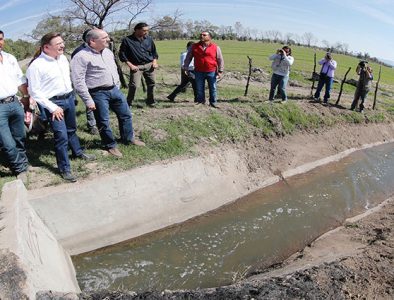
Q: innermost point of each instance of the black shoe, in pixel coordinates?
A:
(171, 98)
(87, 157)
(213, 105)
(151, 104)
(68, 177)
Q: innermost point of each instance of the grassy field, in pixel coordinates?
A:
(175, 129)
(235, 55)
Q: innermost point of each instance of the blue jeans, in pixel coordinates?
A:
(200, 86)
(282, 82)
(114, 99)
(64, 132)
(13, 136)
(324, 80)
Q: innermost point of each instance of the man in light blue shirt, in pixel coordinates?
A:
(186, 77)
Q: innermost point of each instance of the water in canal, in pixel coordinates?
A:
(257, 230)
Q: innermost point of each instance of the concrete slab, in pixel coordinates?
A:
(32, 259)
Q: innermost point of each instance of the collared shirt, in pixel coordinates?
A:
(91, 69)
(328, 67)
(182, 61)
(48, 77)
(138, 51)
(281, 64)
(11, 76)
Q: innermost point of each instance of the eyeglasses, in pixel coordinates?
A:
(203, 34)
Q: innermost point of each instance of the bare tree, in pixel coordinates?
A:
(289, 38)
(326, 44)
(309, 38)
(238, 29)
(167, 22)
(274, 35)
(96, 13)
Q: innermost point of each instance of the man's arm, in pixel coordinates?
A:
(78, 78)
(188, 59)
(34, 88)
(220, 60)
(124, 53)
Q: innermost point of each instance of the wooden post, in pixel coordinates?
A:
(313, 75)
(250, 73)
(376, 88)
(342, 83)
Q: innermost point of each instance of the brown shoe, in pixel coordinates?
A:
(115, 152)
(138, 143)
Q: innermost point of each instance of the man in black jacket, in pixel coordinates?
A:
(138, 51)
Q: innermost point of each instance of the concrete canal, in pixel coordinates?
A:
(256, 231)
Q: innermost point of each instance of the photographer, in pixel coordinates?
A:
(363, 85)
(281, 62)
(326, 77)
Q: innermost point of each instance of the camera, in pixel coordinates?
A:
(362, 63)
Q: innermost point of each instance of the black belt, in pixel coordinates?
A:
(62, 97)
(101, 88)
(8, 99)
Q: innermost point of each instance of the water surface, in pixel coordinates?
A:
(257, 230)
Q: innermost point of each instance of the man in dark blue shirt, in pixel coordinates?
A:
(138, 51)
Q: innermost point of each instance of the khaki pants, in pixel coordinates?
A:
(135, 78)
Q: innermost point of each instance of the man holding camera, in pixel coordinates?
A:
(281, 62)
(363, 85)
(326, 77)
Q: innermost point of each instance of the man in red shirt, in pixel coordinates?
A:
(208, 65)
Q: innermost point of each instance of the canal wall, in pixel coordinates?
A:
(31, 259)
(118, 207)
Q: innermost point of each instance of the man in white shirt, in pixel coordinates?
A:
(49, 84)
(12, 128)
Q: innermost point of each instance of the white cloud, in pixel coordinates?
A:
(9, 4)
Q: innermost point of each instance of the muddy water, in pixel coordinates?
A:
(258, 230)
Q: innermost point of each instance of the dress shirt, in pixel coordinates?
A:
(91, 69)
(48, 77)
(328, 67)
(182, 60)
(138, 51)
(11, 76)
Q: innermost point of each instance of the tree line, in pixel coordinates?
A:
(121, 15)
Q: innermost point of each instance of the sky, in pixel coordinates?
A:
(365, 25)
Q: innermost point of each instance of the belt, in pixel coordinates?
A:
(8, 99)
(101, 88)
(62, 97)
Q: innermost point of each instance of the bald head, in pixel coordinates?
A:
(97, 39)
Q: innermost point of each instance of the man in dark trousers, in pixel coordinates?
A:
(326, 77)
(186, 77)
(138, 51)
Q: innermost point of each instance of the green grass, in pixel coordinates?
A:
(235, 56)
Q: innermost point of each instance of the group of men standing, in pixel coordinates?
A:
(94, 77)
(53, 82)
